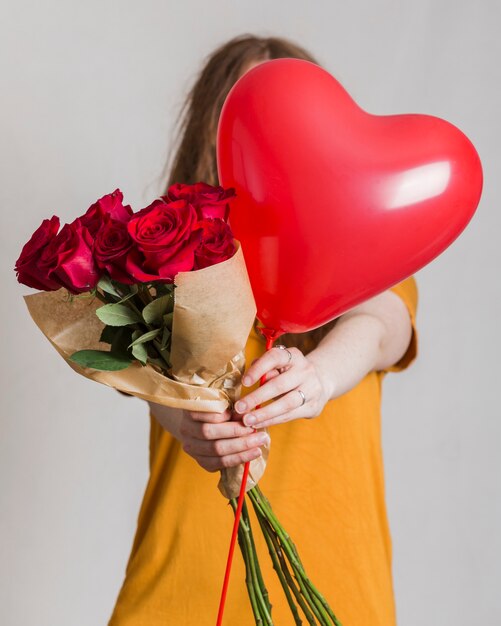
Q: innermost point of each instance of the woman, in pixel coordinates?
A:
(324, 476)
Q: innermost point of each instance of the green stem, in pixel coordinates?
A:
(319, 611)
(259, 575)
(253, 590)
(324, 602)
(285, 539)
(317, 602)
(249, 581)
(254, 570)
(271, 533)
(278, 569)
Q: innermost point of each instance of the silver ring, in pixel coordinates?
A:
(303, 398)
(280, 346)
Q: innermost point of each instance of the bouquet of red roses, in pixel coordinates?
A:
(158, 304)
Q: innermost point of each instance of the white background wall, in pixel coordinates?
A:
(89, 94)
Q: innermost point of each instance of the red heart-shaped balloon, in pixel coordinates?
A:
(335, 205)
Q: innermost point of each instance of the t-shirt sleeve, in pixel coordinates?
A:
(408, 292)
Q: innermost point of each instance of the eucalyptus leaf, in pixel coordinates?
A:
(167, 319)
(100, 360)
(153, 312)
(166, 355)
(117, 315)
(105, 283)
(146, 337)
(170, 305)
(140, 353)
(165, 338)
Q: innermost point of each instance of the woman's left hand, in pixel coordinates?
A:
(292, 380)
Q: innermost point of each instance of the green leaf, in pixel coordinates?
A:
(105, 283)
(166, 356)
(165, 338)
(117, 315)
(153, 312)
(108, 334)
(146, 337)
(140, 352)
(167, 319)
(100, 360)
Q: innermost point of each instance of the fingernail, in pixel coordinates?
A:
(263, 438)
(249, 420)
(240, 407)
(246, 381)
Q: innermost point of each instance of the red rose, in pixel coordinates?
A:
(209, 202)
(111, 205)
(27, 266)
(111, 246)
(216, 245)
(165, 236)
(68, 259)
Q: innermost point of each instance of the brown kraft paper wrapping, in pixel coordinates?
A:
(213, 314)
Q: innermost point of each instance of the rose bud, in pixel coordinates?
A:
(209, 201)
(27, 266)
(68, 259)
(216, 245)
(110, 204)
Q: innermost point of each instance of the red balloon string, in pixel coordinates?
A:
(238, 512)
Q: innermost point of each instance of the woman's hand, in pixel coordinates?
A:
(293, 379)
(368, 338)
(216, 441)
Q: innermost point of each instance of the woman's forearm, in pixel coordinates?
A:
(372, 336)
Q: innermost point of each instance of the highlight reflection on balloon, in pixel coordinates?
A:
(418, 184)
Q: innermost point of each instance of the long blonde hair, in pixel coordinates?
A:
(194, 153)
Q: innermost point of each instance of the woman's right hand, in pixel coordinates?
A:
(217, 441)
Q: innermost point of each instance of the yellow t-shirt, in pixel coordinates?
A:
(325, 482)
